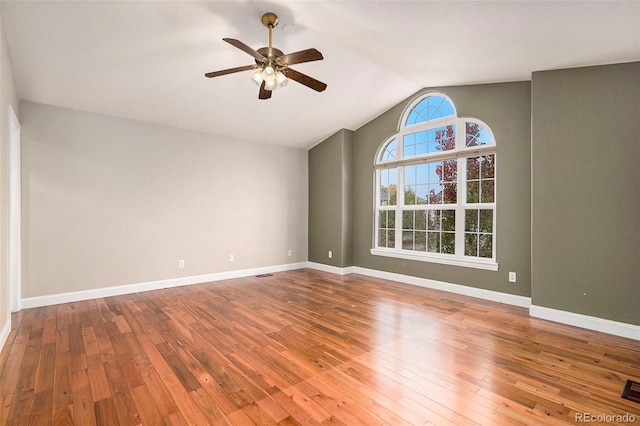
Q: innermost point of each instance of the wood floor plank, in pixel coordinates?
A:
(12, 363)
(145, 406)
(97, 378)
(159, 393)
(306, 348)
(207, 406)
(42, 408)
(126, 411)
(83, 407)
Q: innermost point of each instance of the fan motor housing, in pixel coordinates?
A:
(275, 53)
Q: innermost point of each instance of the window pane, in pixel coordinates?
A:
(420, 220)
(473, 191)
(441, 177)
(425, 183)
(421, 241)
(481, 179)
(442, 138)
(471, 220)
(408, 219)
(485, 245)
(448, 220)
(476, 135)
(478, 238)
(447, 171)
(448, 242)
(433, 242)
(382, 219)
(473, 168)
(433, 220)
(407, 240)
(435, 194)
(386, 226)
(383, 238)
(409, 195)
(387, 219)
(488, 166)
(413, 234)
(450, 193)
(441, 237)
(392, 219)
(430, 108)
(409, 143)
(388, 187)
(487, 191)
(471, 245)
(429, 141)
(389, 152)
(486, 221)
(422, 194)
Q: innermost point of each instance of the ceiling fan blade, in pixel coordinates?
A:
(229, 71)
(264, 93)
(240, 45)
(310, 82)
(308, 55)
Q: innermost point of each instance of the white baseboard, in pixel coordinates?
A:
(75, 296)
(4, 333)
(495, 296)
(332, 269)
(569, 318)
(584, 321)
(621, 329)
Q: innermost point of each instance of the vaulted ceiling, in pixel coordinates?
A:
(145, 60)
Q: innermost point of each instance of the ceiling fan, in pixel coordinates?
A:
(272, 67)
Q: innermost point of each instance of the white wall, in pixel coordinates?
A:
(8, 97)
(109, 202)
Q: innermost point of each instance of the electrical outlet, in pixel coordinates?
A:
(330, 254)
(181, 263)
(512, 277)
(289, 253)
(230, 258)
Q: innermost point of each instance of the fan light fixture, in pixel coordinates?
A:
(272, 67)
(272, 77)
(269, 72)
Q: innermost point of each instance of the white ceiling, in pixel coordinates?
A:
(145, 60)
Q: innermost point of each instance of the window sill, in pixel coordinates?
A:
(488, 265)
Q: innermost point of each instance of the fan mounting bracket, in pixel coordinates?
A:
(270, 20)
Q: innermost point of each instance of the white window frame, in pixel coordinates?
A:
(460, 153)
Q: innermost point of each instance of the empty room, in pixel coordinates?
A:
(319, 212)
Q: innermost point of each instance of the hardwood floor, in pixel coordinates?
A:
(307, 347)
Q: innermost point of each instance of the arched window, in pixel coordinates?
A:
(436, 195)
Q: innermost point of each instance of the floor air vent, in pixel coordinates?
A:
(632, 391)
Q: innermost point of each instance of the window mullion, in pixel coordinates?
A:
(376, 223)
(461, 202)
(399, 206)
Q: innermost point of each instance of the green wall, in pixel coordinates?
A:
(506, 110)
(568, 190)
(586, 191)
(330, 212)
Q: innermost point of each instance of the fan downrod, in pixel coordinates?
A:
(270, 20)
